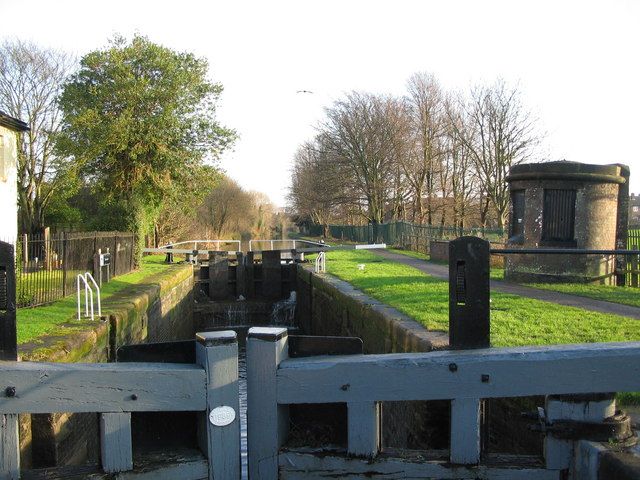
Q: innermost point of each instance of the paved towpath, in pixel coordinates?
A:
(442, 271)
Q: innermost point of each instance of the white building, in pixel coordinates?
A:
(9, 127)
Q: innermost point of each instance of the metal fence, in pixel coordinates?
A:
(47, 264)
(413, 236)
(633, 262)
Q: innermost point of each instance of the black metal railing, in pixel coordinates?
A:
(46, 265)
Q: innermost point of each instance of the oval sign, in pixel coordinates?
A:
(222, 416)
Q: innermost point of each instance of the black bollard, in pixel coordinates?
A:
(469, 293)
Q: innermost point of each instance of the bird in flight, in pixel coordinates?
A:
(304, 91)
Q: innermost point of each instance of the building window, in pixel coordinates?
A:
(635, 209)
(559, 215)
(517, 213)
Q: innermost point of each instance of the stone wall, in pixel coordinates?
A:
(439, 250)
(595, 228)
(598, 222)
(155, 312)
(329, 306)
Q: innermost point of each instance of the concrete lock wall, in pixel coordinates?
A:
(154, 313)
(601, 193)
(328, 306)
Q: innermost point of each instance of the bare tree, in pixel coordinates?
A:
(498, 133)
(429, 157)
(225, 209)
(178, 218)
(260, 221)
(363, 132)
(31, 78)
(317, 184)
(422, 165)
(458, 161)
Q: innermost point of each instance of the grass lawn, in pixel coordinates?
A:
(624, 295)
(34, 322)
(515, 321)
(496, 273)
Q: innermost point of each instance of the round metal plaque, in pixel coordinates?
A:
(222, 416)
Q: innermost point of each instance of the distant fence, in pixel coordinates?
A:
(47, 264)
(409, 235)
(633, 263)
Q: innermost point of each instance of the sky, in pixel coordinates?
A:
(577, 63)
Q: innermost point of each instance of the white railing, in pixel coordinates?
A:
(87, 280)
(275, 242)
(115, 390)
(464, 377)
(321, 263)
(199, 248)
(205, 242)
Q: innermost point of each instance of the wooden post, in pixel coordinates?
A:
(241, 277)
(468, 293)
(469, 328)
(8, 338)
(465, 431)
(558, 452)
(25, 252)
(115, 442)
(219, 427)
(64, 263)
(97, 270)
(47, 248)
(364, 429)
(132, 251)
(271, 274)
(95, 249)
(250, 275)
(634, 268)
(218, 276)
(9, 447)
(114, 260)
(267, 421)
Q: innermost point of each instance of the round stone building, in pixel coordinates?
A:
(566, 205)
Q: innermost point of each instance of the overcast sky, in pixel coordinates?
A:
(577, 63)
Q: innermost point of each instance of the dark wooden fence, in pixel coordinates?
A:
(253, 276)
(47, 264)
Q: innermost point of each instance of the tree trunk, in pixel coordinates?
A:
(484, 211)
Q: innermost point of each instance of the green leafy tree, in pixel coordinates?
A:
(138, 119)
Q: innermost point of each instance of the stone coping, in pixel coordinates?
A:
(88, 341)
(613, 173)
(404, 330)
